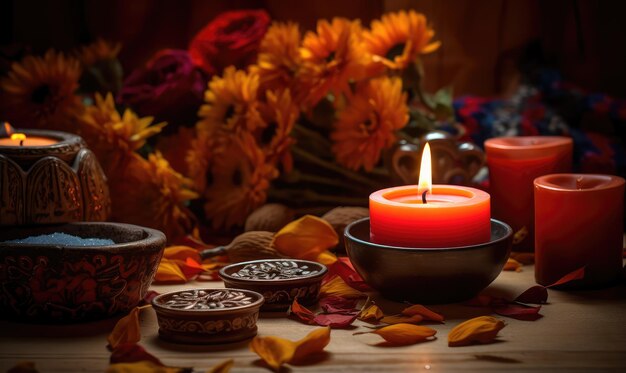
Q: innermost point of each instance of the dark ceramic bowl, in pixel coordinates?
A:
(55, 283)
(426, 275)
(207, 316)
(279, 280)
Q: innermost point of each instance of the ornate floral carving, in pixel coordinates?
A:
(210, 326)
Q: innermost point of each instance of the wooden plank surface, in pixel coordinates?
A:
(579, 331)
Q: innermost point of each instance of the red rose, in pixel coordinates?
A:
(232, 38)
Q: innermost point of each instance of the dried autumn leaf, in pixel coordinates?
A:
(223, 367)
(275, 351)
(512, 265)
(373, 313)
(143, 367)
(402, 319)
(577, 274)
(169, 272)
(130, 353)
(126, 330)
(404, 334)
(536, 294)
(427, 314)
(305, 238)
(519, 312)
(313, 343)
(336, 286)
(482, 329)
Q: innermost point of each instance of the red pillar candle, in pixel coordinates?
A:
(578, 223)
(452, 216)
(429, 216)
(514, 162)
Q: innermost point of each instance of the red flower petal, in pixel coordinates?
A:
(335, 320)
(578, 274)
(537, 294)
(519, 312)
(337, 304)
(344, 269)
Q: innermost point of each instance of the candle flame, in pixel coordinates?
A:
(18, 136)
(425, 183)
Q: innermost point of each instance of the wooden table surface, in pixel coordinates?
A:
(579, 331)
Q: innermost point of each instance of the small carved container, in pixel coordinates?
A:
(56, 183)
(279, 280)
(207, 316)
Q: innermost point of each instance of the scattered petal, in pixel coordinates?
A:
(169, 272)
(336, 286)
(373, 313)
(327, 258)
(313, 343)
(344, 269)
(337, 304)
(131, 353)
(427, 314)
(482, 329)
(404, 334)
(275, 351)
(536, 294)
(305, 238)
(223, 367)
(126, 330)
(578, 274)
(191, 268)
(335, 320)
(301, 312)
(181, 253)
(402, 319)
(512, 265)
(518, 311)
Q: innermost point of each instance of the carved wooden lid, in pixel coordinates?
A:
(207, 299)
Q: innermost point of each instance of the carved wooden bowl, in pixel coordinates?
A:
(61, 283)
(279, 280)
(207, 316)
(56, 183)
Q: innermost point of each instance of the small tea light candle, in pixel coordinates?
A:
(9, 137)
(514, 162)
(429, 216)
(578, 223)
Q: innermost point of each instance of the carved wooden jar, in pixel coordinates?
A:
(56, 183)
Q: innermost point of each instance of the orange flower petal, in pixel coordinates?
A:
(305, 238)
(327, 258)
(191, 268)
(404, 334)
(313, 343)
(223, 367)
(275, 351)
(402, 319)
(170, 272)
(126, 330)
(482, 329)
(371, 313)
(418, 309)
(512, 265)
(337, 286)
(181, 253)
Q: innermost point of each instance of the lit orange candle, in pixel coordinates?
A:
(20, 139)
(429, 216)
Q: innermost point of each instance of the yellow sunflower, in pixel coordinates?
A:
(39, 92)
(149, 192)
(279, 58)
(230, 103)
(100, 50)
(332, 56)
(368, 124)
(112, 136)
(279, 114)
(399, 38)
(236, 182)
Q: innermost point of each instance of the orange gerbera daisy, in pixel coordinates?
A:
(331, 57)
(231, 103)
(149, 192)
(279, 114)
(112, 136)
(368, 124)
(237, 183)
(100, 50)
(39, 92)
(279, 57)
(399, 38)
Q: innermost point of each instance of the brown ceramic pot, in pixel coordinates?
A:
(279, 280)
(59, 283)
(207, 316)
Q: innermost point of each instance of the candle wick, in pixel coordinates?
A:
(424, 197)
(21, 142)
